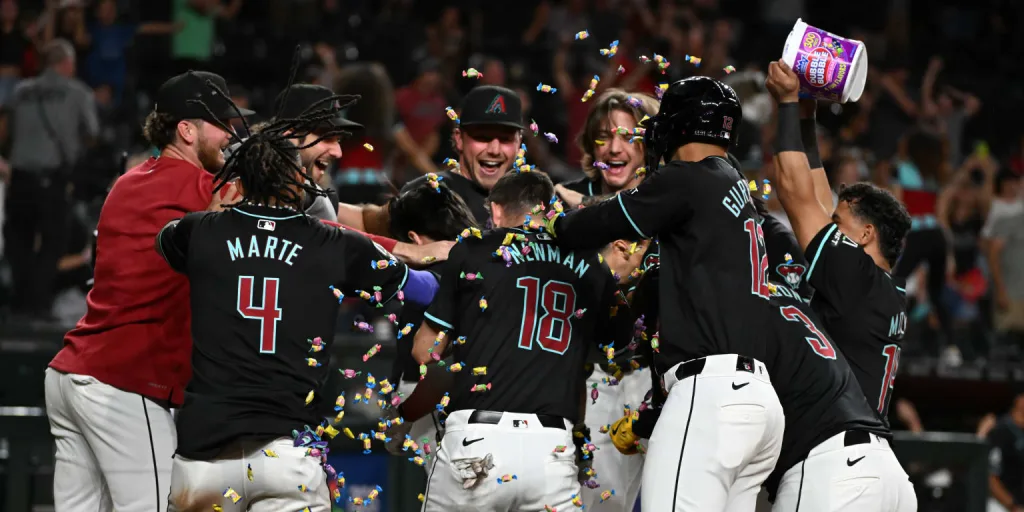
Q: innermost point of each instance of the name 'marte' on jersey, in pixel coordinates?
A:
(813, 380)
(521, 306)
(863, 307)
(260, 294)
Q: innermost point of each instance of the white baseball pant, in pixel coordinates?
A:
(615, 471)
(114, 448)
(519, 446)
(717, 439)
(423, 428)
(836, 477)
(290, 481)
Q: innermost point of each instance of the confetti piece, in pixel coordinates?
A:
(479, 370)
(599, 142)
(551, 137)
(729, 69)
(316, 344)
(349, 373)
(479, 388)
(594, 81)
(456, 367)
(303, 488)
(312, 363)
(640, 172)
(549, 508)
(429, 259)
(230, 493)
(362, 326)
(788, 258)
(449, 162)
(368, 146)
(560, 449)
(483, 304)
(337, 294)
(611, 50)
(471, 276)
(577, 500)
(421, 497)
(248, 472)
(218, 508)
(372, 352)
(601, 165)
(507, 478)
(461, 340)
(533, 127)
(405, 330)
(546, 88)
(445, 400)
(348, 432)
(472, 73)
(620, 71)
(581, 35)
(423, 371)
(450, 112)
(309, 397)
(607, 494)
(634, 102)
(270, 453)
(654, 343)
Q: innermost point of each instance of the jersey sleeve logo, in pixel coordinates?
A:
(793, 273)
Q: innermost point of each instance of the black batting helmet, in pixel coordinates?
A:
(695, 109)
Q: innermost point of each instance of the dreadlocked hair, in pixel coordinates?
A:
(267, 163)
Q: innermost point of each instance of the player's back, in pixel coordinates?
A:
(542, 310)
(714, 265)
(260, 293)
(818, 392)
(863, 307)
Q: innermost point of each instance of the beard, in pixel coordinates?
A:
(210, 156)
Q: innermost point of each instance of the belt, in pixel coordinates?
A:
(696, 366)
(855, 437)
(494, 417)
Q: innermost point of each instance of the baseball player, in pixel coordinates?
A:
(720, 429)
(613, 157)
(851, 251)
(110, 389)
(422, 215)
(487, 134)
(518, 312)
(261, 277)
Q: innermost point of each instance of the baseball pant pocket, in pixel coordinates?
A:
(856, 494)
(741, 427)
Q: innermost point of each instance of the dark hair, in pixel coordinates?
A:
(1002, 177)
(878, 207)
(267, 163)
(438, 213)
(521, 192)
(160, 129)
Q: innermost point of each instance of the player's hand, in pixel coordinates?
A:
(227, 195)
(571, 198)
(643, 426)
(782, 82)
(622, 435)
(808, 108)
(419, 256)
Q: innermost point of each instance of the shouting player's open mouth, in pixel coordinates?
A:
(490, 167)
(617, 168)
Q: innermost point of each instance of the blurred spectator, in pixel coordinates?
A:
(108, 42)
(54, 118)
(1006, 263)
(66, 20)
(1006, 457)
(420, 107)
(947, 110)
(1007, 202)
(15, 48)
(360, 174)
(193, 43)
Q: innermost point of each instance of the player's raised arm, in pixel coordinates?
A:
(793, 179)
(809, 138)
(172, 241)
(640, 212)
(374, 271)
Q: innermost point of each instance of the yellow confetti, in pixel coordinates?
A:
(349, 433)
(309, 397)
(248, 472)
(368, 146)
(218, 508)
(230, 493)
(270, 453)
(330, 431)
(421, 497)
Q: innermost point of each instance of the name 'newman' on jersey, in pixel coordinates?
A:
(533, 251)
(288, 251)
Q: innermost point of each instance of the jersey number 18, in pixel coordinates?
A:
(552, 331)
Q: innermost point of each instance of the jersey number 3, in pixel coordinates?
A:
(819, 343)
(267, 312)
(758, 259)
(552, 331)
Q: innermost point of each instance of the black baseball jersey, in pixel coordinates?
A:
(405, 366)
(585, 186)
(780, 242)
(863, 307)
(470, 191)
(532, 334)
(714, 288)
(1006, 456)
(260, 282)
(818, 392)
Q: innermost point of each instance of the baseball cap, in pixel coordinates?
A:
(302, 96)
(491, 105)
(180, 96)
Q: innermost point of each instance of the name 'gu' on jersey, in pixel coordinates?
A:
(714, 290)
(863, 307)
(260, 293)
(522, 329)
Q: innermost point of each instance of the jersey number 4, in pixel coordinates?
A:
(267, 312)
(819, 343)
(552, 331)
(758, 259)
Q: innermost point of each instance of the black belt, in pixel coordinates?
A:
(855, 437)
(494, 417)
(696, 366)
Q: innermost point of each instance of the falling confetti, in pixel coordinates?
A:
(372, 352)
(533, 127)
(546, 88)
(472, 73)
(309, 397)
(620, 71)
(230, 493)
(581, 35)
(551, 137)
(368, 146)
(729, 69)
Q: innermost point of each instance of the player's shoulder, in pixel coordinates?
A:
(583, 185)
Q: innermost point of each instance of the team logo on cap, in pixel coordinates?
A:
(497, 105)
(793, 273)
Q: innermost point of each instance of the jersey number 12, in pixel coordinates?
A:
(758, 259)
(267, 312)
(552, 331)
